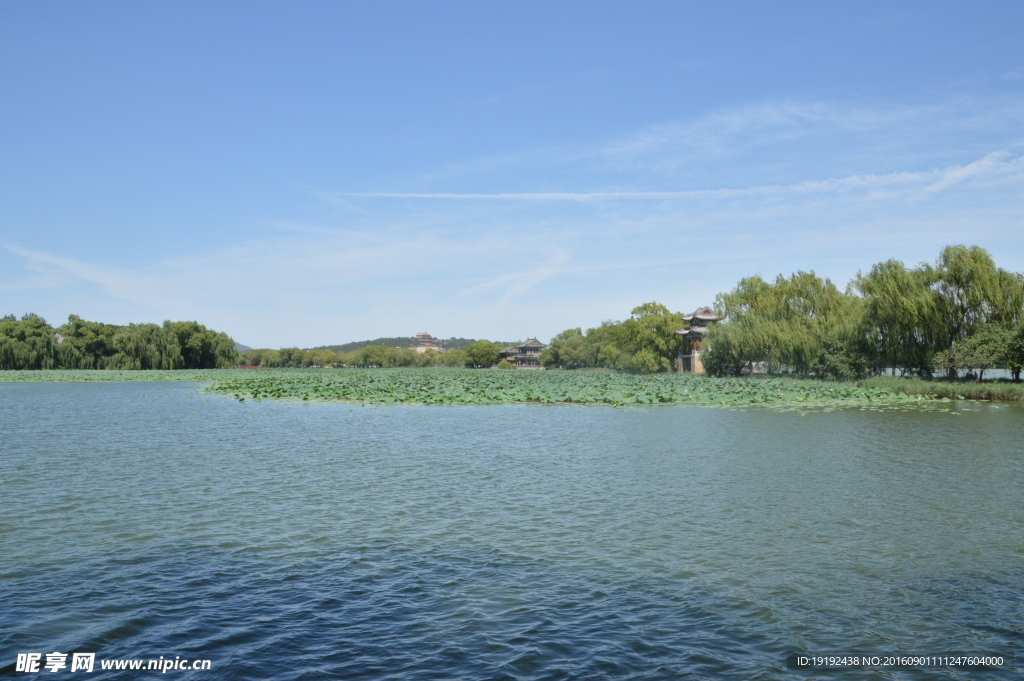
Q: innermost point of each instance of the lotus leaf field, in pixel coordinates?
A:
(438, 386)
(467, 386)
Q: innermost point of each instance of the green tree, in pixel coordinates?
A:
(569, 350)
(727, 351)
(380, 356)
(203, 348)
(253, 357)
(902, 320)
(31, 343)
(482, 353)
(784, 325)
(454, 358)
(839, 360)
(989, 346)
(145, 346)
(290, 357)
(269, 358)
(1015, 352)
(651, 338)
(974, 291)
(28, 343)
(609, 346)
(92, 341)
(428, 358)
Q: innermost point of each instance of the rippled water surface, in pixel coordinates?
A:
(294, 541)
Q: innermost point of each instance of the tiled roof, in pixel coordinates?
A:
(704, 314)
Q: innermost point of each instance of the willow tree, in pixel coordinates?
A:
(902, 320)
(802, 323)
(93, 342)
(28, 343)
(973, 291)
(145, 346)
(203, 348)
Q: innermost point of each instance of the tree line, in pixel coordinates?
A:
(647, 342)
(31, 343)
(962, 313)
(480, 353)
(401, 342)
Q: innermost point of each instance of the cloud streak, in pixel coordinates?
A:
(994, 165)
(674, 213)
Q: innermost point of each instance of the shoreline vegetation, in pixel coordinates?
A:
(30, 343)
(937, 388)
(442, 386)
(460, 352)
(960, 315)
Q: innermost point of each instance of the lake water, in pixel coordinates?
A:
(293, 541)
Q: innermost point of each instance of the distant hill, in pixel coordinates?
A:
(242, 348)
(455, 343)
(399, 342)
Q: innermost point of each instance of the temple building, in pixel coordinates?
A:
(525, 355)
(424, 342)
(689, 356)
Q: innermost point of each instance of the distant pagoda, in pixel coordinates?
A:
(424, 342)
(693, 337)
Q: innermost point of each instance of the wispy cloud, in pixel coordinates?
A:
(996, 165)
(114, 281)
(736, 132)
(536, 241)
(993, 165)
(757, 145)
(515, 284)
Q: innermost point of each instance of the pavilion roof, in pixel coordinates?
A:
(703, 314)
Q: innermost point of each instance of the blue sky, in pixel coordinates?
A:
(311, 173)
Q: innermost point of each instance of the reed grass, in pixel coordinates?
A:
(1002, 391)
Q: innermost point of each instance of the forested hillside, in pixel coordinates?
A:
(481, 353)
(397, 342)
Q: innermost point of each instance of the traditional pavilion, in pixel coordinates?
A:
(525, 355)
(693, 337)
(424, 342)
